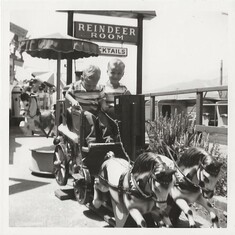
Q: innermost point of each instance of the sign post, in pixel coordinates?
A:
(139, 56)
(116, 32)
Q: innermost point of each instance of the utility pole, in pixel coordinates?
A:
(221, 73)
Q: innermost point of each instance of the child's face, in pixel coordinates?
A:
(115, 73)
(35, 86)
(90, 82)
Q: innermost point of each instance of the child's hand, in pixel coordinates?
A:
(74, 103)
(104, 106)
(77, 105)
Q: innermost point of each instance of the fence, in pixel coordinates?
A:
(218, 134)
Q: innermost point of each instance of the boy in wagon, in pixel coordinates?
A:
(87, 95)
(113, 87)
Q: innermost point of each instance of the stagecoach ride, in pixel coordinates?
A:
(147, 179)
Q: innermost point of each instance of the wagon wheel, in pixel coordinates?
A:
(82, 186)
(60, 166)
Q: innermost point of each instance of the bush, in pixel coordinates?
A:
(171, 136)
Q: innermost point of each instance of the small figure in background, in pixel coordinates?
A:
(41, 96)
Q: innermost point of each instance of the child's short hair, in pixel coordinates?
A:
(116, 62)
(91, 70)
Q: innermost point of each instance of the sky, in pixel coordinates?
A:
(183, 43)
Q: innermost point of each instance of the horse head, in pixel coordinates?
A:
(153, 177)
(24, 104)
(208, 175)
(206, 169)
(28, 105)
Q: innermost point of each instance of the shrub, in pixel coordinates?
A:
(171, 136)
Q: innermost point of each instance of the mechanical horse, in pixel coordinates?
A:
(138, 188)
(196, 178)
(34, 117)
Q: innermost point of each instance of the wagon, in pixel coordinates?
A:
(73, 158)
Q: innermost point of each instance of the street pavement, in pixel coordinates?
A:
(32, 200)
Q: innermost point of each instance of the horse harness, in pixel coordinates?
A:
(186, 183)
(201, 183)
(133, 188)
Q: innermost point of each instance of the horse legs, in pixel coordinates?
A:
(161, 215)
(186, 209)
(50, 130)
(166, 219)
(206, 204)
(139, 219)
(98, 189)
(26, 127)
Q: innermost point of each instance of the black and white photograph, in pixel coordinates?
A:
(117, 114)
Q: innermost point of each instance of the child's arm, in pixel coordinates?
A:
(104, 106)
(73, 102)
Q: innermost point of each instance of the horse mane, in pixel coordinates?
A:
(195, 156)
(24, 96)
(153, 164)
(146, 161)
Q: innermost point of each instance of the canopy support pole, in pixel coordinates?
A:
(58, 90)
(69, 61)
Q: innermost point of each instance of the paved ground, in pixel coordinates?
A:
(32, 200)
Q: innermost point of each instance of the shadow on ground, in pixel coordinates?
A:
(24, 185)
(185, 224)
(92, 215)
(12, 148)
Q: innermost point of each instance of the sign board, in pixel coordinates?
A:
(113, 51)
(106, 32)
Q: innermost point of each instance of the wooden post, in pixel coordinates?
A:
(139, 55)
(69, 61)
(152, 108)
(199, 106)
(133, 130)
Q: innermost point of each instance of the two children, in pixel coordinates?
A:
(95, 100)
